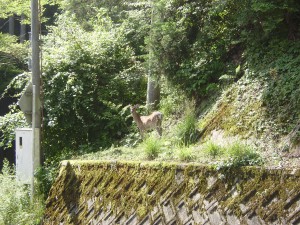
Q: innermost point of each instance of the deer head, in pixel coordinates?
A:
(144, 123)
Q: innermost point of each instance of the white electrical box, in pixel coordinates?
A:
(26, 160)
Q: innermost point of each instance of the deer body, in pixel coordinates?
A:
(144, 123)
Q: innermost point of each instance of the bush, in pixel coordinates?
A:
(16, 206)
(88, 78)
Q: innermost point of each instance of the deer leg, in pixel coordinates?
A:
(142, 134)
(159, 130)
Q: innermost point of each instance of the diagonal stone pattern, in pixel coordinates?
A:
(102, 192)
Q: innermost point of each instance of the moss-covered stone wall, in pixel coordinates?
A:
(102, 192)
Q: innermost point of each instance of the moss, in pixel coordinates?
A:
(140, 187)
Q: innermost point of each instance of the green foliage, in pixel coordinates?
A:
(194, 43)
(16, 86)
(186, 130)
(152, 147)
(8, 125)
(19, 7)
(15, 118)
(16, 206)
(172, 99)
(185, 154)
(9, 8)
(12, 64)
(281, 97)
(241, 155)
(12, 59)
(212, 149)
(88, 77)
(133, 16)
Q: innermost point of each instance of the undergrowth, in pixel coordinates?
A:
(16, 206)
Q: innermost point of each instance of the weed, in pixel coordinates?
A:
(16, 206)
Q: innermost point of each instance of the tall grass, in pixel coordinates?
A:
(186, 131)
(152, 147)
(16, 206)
(241, 154)
(212, 149)
(185, 154)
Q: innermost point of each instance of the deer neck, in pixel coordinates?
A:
(137, 118)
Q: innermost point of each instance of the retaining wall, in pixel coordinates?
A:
(101, 192)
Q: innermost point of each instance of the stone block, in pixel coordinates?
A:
(253, 219)
(168, 211)
(232, 219)
(215, 217)
(182, 212)
(146, 221)
(133, 220)
(199, 216)
(159, 221)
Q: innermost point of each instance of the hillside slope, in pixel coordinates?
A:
(260, 110)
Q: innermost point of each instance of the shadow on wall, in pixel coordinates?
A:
(72, 193)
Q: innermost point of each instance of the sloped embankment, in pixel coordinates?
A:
(244, 111)
(103, 192)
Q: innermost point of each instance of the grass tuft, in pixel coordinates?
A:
(186, 131)
(185, 154)
(152, 147)
(212, 149)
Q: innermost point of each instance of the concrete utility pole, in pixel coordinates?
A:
(36, 81)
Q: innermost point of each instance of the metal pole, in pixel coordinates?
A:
(36, 80)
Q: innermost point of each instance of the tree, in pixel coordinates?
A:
(153, 89)
(88, 78)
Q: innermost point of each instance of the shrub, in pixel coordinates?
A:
(88, 78)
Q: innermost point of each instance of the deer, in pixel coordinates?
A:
(144, 123)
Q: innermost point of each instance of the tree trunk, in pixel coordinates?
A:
(23, 29)
(153, 93)
(153, 90)
(11, 23)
